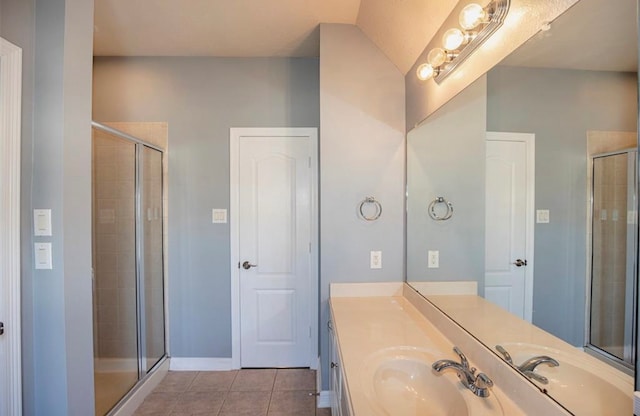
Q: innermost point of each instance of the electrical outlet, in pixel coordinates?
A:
(434, 259)
(376, 259)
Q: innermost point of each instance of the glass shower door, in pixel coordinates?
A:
(114, 236)
(613, 255)
(153, 281)
(128, 253)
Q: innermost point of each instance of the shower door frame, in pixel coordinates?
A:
(143, 372)
(621, 364)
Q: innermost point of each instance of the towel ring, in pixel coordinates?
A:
(432, 209)
(366, 201)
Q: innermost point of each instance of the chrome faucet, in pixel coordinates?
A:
(527, 368)
(478, 384)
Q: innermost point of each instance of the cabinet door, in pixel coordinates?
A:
(345, 404)
(334, 373)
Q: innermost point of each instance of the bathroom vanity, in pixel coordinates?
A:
(386, 337)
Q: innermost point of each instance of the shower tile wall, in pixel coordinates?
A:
(114, 225)
(156, 133)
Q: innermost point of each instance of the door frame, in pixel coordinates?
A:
(10, 134)
(235, 134)
(529, 139)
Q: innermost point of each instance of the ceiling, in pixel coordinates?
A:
(261, 28)
(588, 36)
(400, 28)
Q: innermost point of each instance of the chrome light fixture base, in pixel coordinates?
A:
(497, 11)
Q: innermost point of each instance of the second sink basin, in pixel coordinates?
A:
(582, 386)
(400, 382)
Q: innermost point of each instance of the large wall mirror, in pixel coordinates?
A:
(537, 161)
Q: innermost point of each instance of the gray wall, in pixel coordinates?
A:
(559, 106)
(361, 154)
(445, 157)
(201, 98)
(57, 353)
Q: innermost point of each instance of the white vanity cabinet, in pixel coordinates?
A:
(340, 404)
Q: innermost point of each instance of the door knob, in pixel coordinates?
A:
(1, 328)
(246, 265)
(520, 263)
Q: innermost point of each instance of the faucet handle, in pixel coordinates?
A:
(463, 358)
(505, 354)
(483, 381)
(482, 385)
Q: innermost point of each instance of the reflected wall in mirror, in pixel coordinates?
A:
(513, 153)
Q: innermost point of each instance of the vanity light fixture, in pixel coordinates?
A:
(478, 23)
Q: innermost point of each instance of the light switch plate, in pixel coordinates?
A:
(43, 256)
(542, 216)
(219, 216)
(42, 222)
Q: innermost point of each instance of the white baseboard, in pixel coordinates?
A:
(200, 364)
(324, 400)
(135, 399)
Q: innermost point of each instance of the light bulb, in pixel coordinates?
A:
(452, 39)
(424, 72)
(437, 57)
(471, 16)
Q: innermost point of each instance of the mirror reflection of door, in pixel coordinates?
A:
(613, 245)
(508, 221)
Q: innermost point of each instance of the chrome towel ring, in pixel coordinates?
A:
(447, 214)
(376, 214)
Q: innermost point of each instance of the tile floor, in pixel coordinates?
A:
(267, 392)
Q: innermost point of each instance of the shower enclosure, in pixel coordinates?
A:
(128, 275)
(613, 256)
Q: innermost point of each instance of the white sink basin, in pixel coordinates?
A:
(580, 383)
(401, 382)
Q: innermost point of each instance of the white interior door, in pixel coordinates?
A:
(509, 222)
(10, 346)
(275, 229)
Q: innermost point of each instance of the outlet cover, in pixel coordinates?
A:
(434, 259)
(376, 260)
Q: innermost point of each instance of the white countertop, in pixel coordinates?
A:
(366, 325)
(493, 326)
